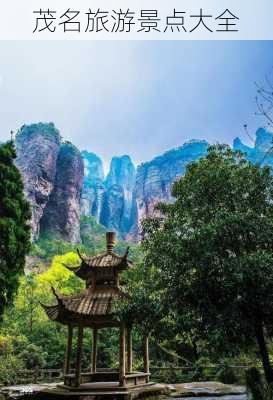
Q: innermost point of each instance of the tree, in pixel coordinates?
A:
(14, 225)
(143, 307)
(214, 248)
(264, 100)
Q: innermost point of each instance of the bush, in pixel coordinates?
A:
(33, 357)
(226, 374)
(10, 367)
(254, 384)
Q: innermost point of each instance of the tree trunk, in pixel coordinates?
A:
(268, 371)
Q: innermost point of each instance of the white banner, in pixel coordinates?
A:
(138, 20)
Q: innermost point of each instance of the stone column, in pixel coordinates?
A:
(122, 361)
(129, 351)
(79, 357)
(94, 351)
(68, 350)
(146, 356)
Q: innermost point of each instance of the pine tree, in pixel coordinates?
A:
(14, 225)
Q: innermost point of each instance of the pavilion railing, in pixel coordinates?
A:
(168, 374)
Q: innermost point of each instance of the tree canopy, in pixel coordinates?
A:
(14, 225)
(214, 249)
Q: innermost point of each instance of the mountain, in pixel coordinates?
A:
(37, 148)
(259, 152)
(53, 173)
(126, 196)
(61, 217)
(109, 200)
(65, 186)
(93, 185)
(118, 211)
(155, 178)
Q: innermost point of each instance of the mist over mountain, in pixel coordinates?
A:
(63, 184)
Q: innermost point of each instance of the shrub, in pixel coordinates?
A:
(33, 357)
(226, 374)
(10, 367)
(254, 383)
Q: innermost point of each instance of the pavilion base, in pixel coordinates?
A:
(105, 390)
(107, 376)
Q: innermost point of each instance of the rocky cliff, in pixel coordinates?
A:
(52, 173)
(260, 153)
(109, 200)
(37, 147)
(93, 186)
(127, 196)
(118, 211)
(154, 179)
(61, 218)
(62, 183)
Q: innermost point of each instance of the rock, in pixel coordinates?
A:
(37, 147)
(260, 153)
(238, 145)
(119, 209)
(154, 179)
(201, 389)
(35, 264)
(61, 218)
(24, 391)
(93, 186)
(53, 179)
(264, 139)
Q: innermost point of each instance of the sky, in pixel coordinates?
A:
(140, 98)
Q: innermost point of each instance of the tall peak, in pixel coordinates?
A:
(264, 139)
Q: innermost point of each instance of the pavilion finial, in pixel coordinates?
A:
(110, 241)
(12, 135)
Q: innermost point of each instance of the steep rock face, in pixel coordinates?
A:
(118, 210)
(154, 179)
(93, 185)
(260, 152)
(37, 147)
(61, 217)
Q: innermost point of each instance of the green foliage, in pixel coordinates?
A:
(214, 249)
(10, 367)
(33, 357)
(93, 242)
(14, 225)
(46, 248)
(143, 307)
(255, 384)
(226, 373)
(92, 235)
(26, 324)
(46, 129)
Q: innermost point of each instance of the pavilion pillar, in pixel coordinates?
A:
(146, 356)
(94, 351)
(79, 357)
(122, 361)
(68, 350)
(129, 350)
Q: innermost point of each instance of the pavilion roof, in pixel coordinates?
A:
(107, 259)
(91, 306)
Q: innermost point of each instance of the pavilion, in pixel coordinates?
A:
(94, 309)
